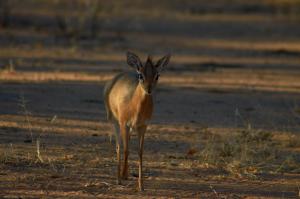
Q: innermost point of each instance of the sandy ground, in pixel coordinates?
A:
(227, 73)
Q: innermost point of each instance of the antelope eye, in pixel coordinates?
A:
(140, 77)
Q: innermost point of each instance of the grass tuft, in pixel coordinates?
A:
(247, 153)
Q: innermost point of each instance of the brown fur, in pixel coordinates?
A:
(129, 104)
(136, 111)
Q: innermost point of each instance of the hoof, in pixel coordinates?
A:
(118, 182)
(141, 189)
(125, 176)
(141, 186)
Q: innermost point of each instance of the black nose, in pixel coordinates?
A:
(149, 89)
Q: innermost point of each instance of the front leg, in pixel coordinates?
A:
(141, 132)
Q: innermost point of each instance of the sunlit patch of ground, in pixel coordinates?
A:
(77, 160)
(258, 80)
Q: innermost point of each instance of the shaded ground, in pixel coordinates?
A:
(231, 71)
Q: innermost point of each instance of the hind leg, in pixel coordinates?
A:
(118, 140)
(125, 138)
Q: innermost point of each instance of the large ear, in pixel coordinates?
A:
(134, 61)
(163, 62)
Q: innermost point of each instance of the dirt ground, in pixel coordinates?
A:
(233, 69)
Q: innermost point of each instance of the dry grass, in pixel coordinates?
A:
(249, 153)
(77, 166)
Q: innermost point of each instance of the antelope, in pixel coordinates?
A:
(129, 105)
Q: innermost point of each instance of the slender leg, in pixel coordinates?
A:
(141, 132)
(117, 135)
(110, 138)
(125, 138)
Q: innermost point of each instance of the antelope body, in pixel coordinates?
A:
(129, 105)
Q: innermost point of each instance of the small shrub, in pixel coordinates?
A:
(293, 141)
(82, 23)
(5, 13)
(9, 67)
(245, 152)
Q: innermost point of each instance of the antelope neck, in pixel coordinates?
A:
(142, 94)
